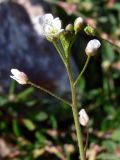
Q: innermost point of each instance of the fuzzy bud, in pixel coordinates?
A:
(69, 27)
(106, 65)
(83, 117)
(78, 24)
(92, 47)
(20, 77)
(89, 30)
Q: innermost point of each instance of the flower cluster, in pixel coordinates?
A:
(51, 28)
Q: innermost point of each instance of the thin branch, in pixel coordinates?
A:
(83, 70)
(50, 93)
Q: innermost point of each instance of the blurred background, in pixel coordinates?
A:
(33, 125)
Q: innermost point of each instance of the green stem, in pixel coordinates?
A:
(83, 70)
(12, 88)
(50, 93)
(87, 138)
(75, 114)
(60, 51)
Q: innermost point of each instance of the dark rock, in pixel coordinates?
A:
(22, 48)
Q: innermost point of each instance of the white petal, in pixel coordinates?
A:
(48, 29)
(13, 77)
(47, 19)
(15, 72)
(57, 23)
(48, 16)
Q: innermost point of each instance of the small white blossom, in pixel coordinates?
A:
(49, 26)
(83, 117)
(18, 76)
(92, 47)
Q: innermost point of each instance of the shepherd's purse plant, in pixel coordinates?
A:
(63, 40)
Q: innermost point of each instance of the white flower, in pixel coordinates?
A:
(92, 47)
(48, 26)
(83, 117)
(20, 77)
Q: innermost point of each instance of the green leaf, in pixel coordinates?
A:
(109, 145)
(23, 95)
(108, 52)
(116, 6)
(42, 116)
(81, 84)
(107, 156)
(40, 137)
(53, 122)
(116, 135)
(16, 128)
(3, 101)
(29, 124)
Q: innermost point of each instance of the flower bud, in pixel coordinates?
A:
(92, 47)
(20, 77)
(89, 30)
(78, 24)
(106, 65)
(83, 117)
(69, 27)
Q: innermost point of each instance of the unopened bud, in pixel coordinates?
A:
(89, 30)
(106, 65)
(78, 24)
(18, 76)
(92, 47)
(83, 117)
(69, 27)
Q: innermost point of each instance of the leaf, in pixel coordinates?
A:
(3, 101)
(16, 128)
(109, 145)
(38, 152)
(107, 156)
(81, 84)
(108, 52)
(53, 122)
(40, 137)
(42, 116)
(116, 6)
(23, 95)
(29, 124)
(116, 135)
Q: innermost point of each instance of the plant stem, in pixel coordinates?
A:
(60, 51)
(50, 93)
(87, 137)
(83, 70)
(75, 114)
